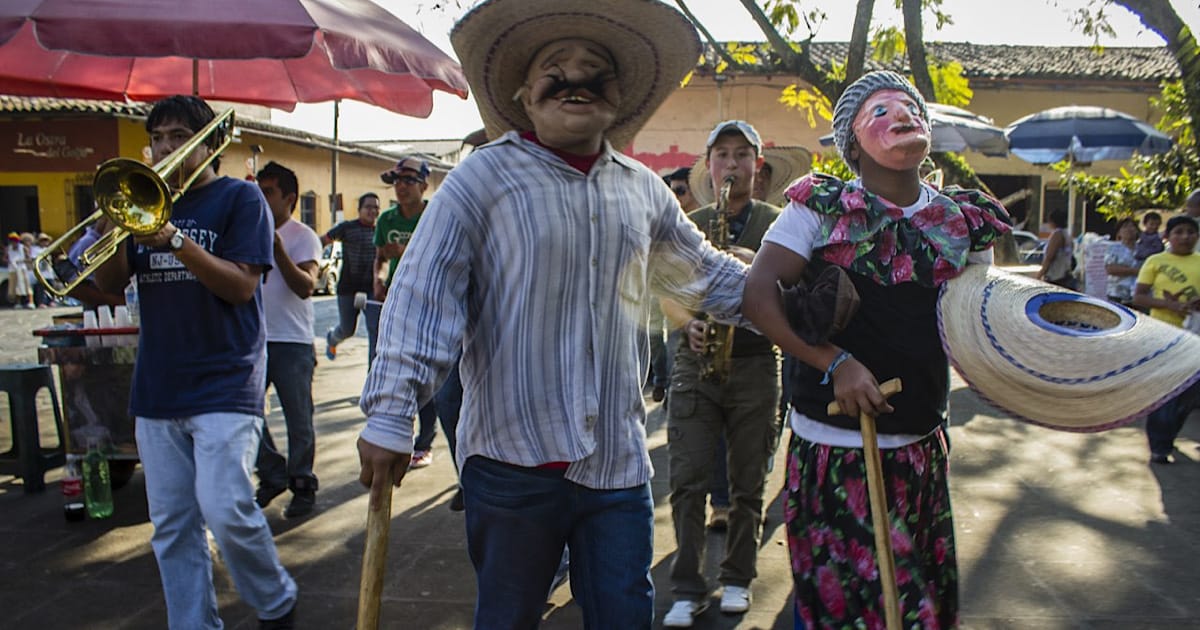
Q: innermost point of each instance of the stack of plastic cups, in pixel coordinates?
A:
(121, 320)
(104, 318)
(89, 323)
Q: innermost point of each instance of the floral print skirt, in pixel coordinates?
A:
(832, 541)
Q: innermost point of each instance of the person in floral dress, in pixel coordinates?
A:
(899, 240)
(1121, 263)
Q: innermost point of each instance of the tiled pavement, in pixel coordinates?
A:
(1055, 530)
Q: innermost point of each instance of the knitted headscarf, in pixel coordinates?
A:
(852, 100)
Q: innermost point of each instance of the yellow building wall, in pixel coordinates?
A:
(674, 136)
(55, 192)
(357, 174)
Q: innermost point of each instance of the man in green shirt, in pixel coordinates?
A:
(395, 226)
(393, 231)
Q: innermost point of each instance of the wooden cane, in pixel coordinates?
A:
(879, 509)
(370, 589)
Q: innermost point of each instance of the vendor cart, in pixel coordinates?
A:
(95, 381)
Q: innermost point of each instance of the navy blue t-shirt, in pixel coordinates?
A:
(196, 352)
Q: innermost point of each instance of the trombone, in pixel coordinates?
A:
(136, 198)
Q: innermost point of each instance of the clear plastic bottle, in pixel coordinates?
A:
(72, 490)
(131, 301)
(97, 485)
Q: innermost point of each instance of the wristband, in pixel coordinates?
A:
(837, 361)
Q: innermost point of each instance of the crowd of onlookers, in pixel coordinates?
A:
(23, 288)
(1158, 273)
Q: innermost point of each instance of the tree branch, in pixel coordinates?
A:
(1160, 17)
(914, 41)
(856, 58)
(724, 54)
(800, 64)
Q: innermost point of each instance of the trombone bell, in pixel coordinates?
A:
(132, 195)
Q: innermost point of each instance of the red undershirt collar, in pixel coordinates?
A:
(581, 163)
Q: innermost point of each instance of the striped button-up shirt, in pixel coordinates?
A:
(541, 276)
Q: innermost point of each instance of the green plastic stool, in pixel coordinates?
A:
(27, 459)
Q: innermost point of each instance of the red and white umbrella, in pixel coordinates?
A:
(268, 52)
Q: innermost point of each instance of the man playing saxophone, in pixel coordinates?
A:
(725, 384)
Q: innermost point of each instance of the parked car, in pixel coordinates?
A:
(1029, 246)
(329, 269)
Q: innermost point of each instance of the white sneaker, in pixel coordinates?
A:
(682, 613)
(735, 599)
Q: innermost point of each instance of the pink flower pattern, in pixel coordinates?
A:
(864, 561)
(833, 555)
(860, 231)
(831, 591)
(856, 497)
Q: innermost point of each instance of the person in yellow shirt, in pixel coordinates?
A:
(1169, 284)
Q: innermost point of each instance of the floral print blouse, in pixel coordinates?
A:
(865, 233)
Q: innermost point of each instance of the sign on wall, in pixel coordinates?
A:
(57, 145)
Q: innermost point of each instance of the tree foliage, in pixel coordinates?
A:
(1157, 181)
(789, 28)
(1161, 181)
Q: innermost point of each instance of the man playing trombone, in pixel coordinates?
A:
(200, 373)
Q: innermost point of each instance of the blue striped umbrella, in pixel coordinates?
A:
(1083, 134)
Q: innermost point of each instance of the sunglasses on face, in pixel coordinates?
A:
(679, 190)
(392, 177)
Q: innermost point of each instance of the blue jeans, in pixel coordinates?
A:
(518, 520)
(449, 403)
(290, 370)
(347, 320)
(371, 313)
(1164, 424)
(427, 427)
(197, 474)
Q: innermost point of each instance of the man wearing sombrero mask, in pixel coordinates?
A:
(899, 240)
(536, 259)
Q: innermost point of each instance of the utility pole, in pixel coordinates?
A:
(333, 170)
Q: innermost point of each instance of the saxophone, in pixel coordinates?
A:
(718, 338)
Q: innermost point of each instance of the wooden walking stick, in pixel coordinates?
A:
(879, 510)
(370, 588)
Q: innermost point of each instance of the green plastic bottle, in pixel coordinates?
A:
(97, 485)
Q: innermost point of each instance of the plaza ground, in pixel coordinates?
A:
(1055, 530)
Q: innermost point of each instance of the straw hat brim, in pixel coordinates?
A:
(1057, 358)
(654, 47)
(787, 165)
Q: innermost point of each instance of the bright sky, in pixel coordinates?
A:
(1039, 22)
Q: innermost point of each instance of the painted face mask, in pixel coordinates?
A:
(889, 128)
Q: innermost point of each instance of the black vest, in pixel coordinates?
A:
(894, 334)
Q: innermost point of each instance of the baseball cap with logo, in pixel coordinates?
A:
(739, 126)
(416, 166)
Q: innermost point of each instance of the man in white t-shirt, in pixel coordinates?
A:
(287, 293)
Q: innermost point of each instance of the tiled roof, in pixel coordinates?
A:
(38, 105)
(1004, 62)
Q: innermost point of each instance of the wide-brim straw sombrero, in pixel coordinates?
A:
(787, 165)
(654, 47)
(1058, 358)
